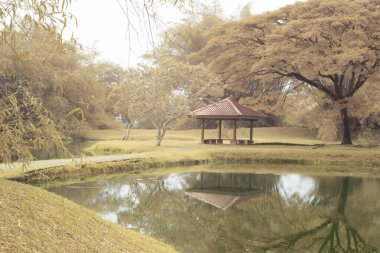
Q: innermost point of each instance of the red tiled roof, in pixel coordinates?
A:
(226, 109)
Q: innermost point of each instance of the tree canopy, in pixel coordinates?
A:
(24, 120)
(332, 47)
(163, 93)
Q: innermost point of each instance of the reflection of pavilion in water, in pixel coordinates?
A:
(224, 190)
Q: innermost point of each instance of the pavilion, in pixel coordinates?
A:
(227, 109)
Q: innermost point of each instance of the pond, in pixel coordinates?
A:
(240, 212)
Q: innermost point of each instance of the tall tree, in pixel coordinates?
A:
(330, 46)
(175, 89)
(164, 93)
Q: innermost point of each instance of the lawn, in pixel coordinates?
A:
(186, 144)
(183, 148)
(142, 140)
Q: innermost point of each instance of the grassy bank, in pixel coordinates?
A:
(34, 220)
(305, 148)
(343, 160)
(183, 148)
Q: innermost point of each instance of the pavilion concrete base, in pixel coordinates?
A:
(232, 142)
(242, 142)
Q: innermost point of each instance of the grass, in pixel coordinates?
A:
(34, 220)
(185, 144)
(182, 148)
(305, 160)
(110, 134)
(268, 158)
(142, 140)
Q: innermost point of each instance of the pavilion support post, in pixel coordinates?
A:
(234, 141)
(250, 132)
(220, 141)
(203, 132)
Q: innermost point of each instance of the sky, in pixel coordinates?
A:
(102, 26)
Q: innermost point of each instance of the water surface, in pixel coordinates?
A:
(230, 212)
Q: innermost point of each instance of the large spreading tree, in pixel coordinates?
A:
(329, 46)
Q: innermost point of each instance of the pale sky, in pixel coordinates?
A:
(102, 26)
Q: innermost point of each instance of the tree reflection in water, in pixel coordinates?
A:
(260, 213)
(339, 235)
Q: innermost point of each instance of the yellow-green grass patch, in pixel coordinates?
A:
(183, 147)
(34, 220)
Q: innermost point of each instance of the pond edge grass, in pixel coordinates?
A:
(85, 171)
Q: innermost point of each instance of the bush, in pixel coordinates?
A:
(368, 137)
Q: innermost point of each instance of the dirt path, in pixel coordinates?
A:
(60, 162)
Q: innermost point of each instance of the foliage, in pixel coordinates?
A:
(19, 17)
(126, 97)
(164, 93)
(24, 123)
(322, 115)
(332, 47)
(183, 42)
(63, 87)
(67, 82)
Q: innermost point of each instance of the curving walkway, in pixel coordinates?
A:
(70, 161)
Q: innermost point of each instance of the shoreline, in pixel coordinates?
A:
(323, 164)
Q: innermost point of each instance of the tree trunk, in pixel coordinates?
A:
(126, 137)
(346, 127)
(160, 135)
(129, 130)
